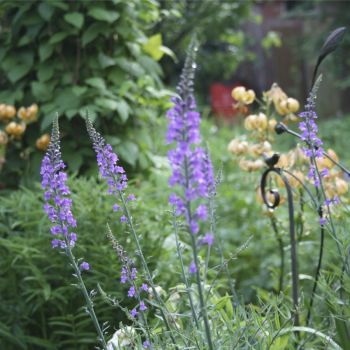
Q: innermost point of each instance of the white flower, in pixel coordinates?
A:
(122, 337)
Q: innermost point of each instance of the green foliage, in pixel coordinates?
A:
(83, 56)
(41, 309)
(216, 24)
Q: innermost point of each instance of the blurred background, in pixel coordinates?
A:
(119, 61)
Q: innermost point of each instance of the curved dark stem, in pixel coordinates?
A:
(280, 245)
(318, 269)
(273, 205)
(301, 216)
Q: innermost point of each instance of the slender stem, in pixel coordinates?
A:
(145, 266)
(184, 277)
(87, 298)
(200, 293)
(317, 275)
(338, 164)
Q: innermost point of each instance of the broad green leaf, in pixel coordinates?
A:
(153, 47)
(107, 103)
(58, 37)
(45, 51)
(40, 91)
(123, 110)
(74, 160)
(47, 120)
(46, 10)
(129, 151)
(24, 41)
(103, 15)
(79, 90)
(45, 72)
(92, 32)
(18, 72)
(96, 82)
(105, 60)
(75, 18)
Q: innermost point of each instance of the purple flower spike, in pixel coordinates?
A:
(309, 132)
(192, 170)
(57, 203)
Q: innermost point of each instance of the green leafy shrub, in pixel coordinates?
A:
(83, 56)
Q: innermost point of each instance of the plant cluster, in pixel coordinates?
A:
(202, 318)
(77, 57)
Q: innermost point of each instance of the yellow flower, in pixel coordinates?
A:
(238, 147)
(43, 142)
(15, 129)
(28, 114)
(292, 105)
(341, 186)
(240, 94)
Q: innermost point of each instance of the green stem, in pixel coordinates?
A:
(188, 290)
(145, 266)
(87, 298)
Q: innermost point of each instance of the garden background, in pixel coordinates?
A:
(118, 62)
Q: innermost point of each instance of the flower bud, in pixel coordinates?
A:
(261, 122)
(43, 142)
(292, 105)
(248, 97)
(272, 125)
(10, 112)
(238, 92)
(250, 122)
(281, 107)
(341, 186)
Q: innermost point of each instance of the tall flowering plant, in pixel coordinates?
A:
(58, 209)
(192, 173)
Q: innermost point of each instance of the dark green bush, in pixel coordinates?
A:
(71, 57)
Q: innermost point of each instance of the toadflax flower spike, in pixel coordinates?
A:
(57, 202)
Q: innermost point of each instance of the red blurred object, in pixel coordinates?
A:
(222, 101)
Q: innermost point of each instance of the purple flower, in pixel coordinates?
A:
(146, 344)
(192, 171)
(193, 267)
(144, 287)
(208, 239)
(309, 132)
(143, 307)
(84, 266)
(57, 204)
(131, 292)
(133, 313)
(123, 218)
(323, 221)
